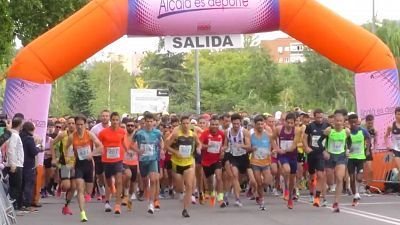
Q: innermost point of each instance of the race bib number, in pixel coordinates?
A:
(147, 149)
(356, 148)
(185, 150)
(83, 152)
(337, 146)
(396, 142)
(214, 147)
(314, 141)
(71, 152)
(286, 144)
(130, 156)
(262, 153)
(113, 153)
(236, 151)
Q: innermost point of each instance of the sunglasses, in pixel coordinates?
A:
(130, 125)
(59, 127)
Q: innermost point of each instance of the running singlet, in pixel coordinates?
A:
(233, 141)
(67, 156)
(130, 157)
(185, 146)
(337, 142)
(148, 143)
(82, 146)
(113, 145)
(211, 154)
(286, 142)
(357, 149)
(314, 132)
(261, 156)
(395, 137)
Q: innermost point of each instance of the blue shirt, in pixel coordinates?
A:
(149, 142)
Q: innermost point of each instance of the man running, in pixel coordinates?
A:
(67, 163)
(112, 139)
(82, 141)
(149, 144)
(130, 166)
(393, 131)
(99, 169)
(336, 154)
(360, 139)
(238, 141)
(315, 158)
(287, 135)
(368, 173)
(181, 145)
(260, 158)
(212, 140)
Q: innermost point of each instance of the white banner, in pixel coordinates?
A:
(152, 100)
(184, 43)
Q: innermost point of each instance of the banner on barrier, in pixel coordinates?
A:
(152, 100)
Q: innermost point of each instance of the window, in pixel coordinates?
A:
(280, 50)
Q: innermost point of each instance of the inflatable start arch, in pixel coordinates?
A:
(101, 22)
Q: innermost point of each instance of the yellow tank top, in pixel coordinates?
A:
(185, 146)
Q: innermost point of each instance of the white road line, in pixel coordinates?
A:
(372, 214)
(374, 203)
(384, 219)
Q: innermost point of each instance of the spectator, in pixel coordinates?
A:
(29, 170)
(15, 162)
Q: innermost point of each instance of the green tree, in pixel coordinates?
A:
(79, 93)
(6, 37)
(167, 71)
(34, 17)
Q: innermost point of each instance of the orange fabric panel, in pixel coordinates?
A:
(381, 165)
(341, 41)
(56, 52)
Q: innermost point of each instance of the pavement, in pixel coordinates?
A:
(378, 209)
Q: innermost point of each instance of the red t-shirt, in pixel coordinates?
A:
(113, 145)
(215, 142)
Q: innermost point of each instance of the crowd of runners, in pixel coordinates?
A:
(201, 159)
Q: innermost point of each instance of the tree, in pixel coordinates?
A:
(6, 37)
(79, 93)
(34, 17)
(167, 71)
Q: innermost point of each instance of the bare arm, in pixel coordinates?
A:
(386, 137)
(247, 141)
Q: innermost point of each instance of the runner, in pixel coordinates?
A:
(130, 166)
(183, 160)
(315, 158)
(260, 158)
(360, 139)
(212, 140)
(275, 169)
(301, 123)
(66, 163)
(99, 168)
(368, 174)
(149, 145)
(82, 141)
(112, 139)
(393, 131)
(287, 135)
(336, 153)
(239, 145)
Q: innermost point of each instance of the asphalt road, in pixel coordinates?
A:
(378, 209)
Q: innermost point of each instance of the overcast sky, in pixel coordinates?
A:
(357, 11)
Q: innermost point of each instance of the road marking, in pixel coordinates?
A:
(374, 203)
(372, 216)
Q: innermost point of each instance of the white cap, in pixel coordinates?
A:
(140, 117)
(193, 121)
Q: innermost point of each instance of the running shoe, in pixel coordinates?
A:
(311, 199)
(150, 210)
(107, 207)
(316, 202)
(185, 213)
(157, 205)
(83, 217)
(129, 206)
(117, 209)
(66, 210)
(238, 203)
(290, 204)
(336, 207)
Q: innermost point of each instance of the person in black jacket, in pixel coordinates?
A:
(29, 170)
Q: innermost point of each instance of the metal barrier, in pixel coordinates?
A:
(7, 213)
